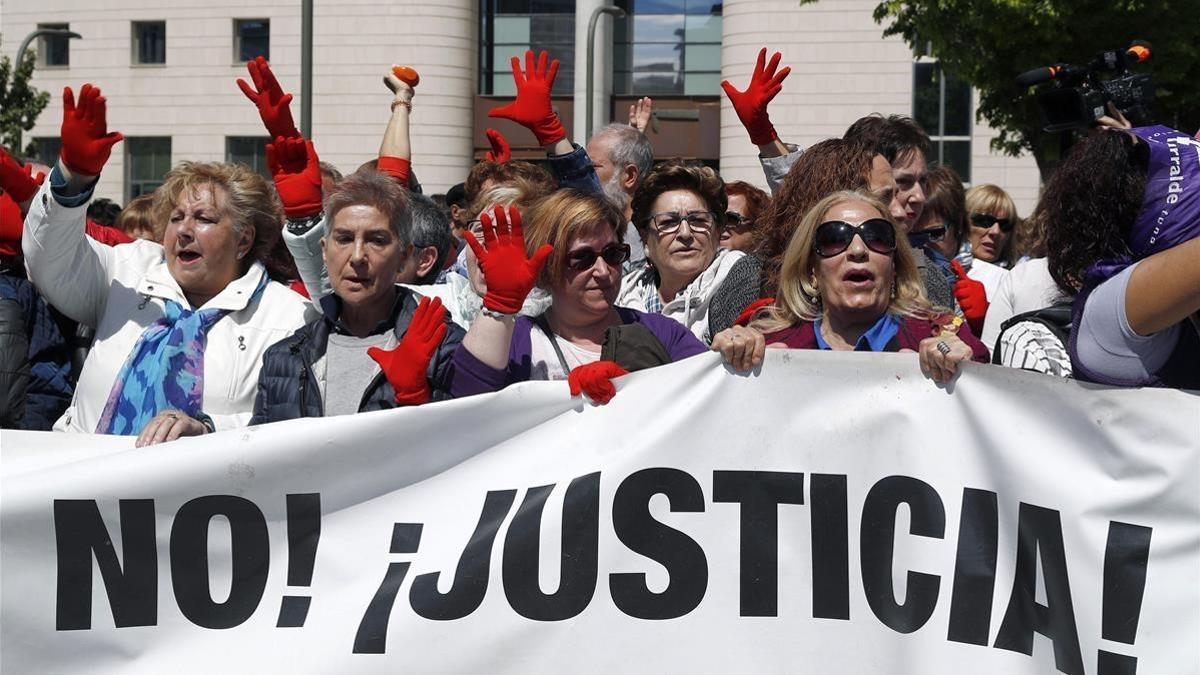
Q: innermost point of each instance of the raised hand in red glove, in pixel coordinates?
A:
(296, 168)
(532, 108)
(971, 296)
(500, 152)
(268, 96)
(751, 105)
(747, 315)
(86, 141)
(406, 365)
(507, 271)
(595, 380)
(20, 182)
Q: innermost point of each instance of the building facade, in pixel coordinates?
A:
(168, 69)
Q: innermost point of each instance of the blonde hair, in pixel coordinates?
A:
(249, 200)
(563, 216)
(990, 198)
(798, 299)
(138, 216)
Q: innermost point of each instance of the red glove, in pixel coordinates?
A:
(751, 105)
(500, 152)
(747, 314)
(532, 108)
(405, 366)
(971, 296)
(269, 97)
(508, 273)
(86, 141)
(296, 168)
(595, 380)
(396, 167)
(20, 182)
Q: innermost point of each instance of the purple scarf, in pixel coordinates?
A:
(1170, 213)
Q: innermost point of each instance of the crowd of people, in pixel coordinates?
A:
(225, 299)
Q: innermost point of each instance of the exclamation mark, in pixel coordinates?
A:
(1125, 560)
(304, 533)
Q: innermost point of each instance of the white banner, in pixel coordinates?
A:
(832, 513)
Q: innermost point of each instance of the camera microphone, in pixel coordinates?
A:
(1044, 74)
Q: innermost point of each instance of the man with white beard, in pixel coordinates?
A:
(622, 156)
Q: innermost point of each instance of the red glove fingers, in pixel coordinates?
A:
(747, 315)
(507, 270)
(86, 141)
(532, 108)
(751, 105)
(595, 380)
(501, 152)
(406, 365)
(270, 99)
(297, 171)
(18, 181)
(971, 296)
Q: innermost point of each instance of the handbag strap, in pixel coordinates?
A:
(545, 326)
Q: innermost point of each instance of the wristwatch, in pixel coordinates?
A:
(300, 226)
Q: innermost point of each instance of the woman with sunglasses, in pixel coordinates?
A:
(849, 282)
(679, 211)
(574, 252)
(992, 219)
(746, 205)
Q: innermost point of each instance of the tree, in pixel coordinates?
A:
(20, 103)
(987, 43)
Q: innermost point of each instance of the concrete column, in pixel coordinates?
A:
(602, 68)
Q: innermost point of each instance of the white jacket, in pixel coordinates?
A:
(690, 306)
(121, 290)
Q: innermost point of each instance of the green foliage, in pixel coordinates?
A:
(20, 103)
(987, 43)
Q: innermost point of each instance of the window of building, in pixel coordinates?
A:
(149, 42)
(942, 105)
(54, 50)
(667, 47)
(251, 39)
(147, 160)
(508, 28)
(248, 150)
(46, 149)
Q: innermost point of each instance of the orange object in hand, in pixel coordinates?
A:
(407, 75)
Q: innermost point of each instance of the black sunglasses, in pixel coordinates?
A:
(613, 254)
(919, 239)
(986, 220)
(834, 237)
(737, 221)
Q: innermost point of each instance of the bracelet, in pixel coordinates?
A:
(496, 315)
(406, 104)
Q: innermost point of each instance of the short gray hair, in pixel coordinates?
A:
(431, 227)
(629, 146)
(371, 188)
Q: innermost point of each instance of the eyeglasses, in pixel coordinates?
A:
(835, 236)
(583, 259)
(919, 239)
(737, 221)
(668, 222)
(985, 221)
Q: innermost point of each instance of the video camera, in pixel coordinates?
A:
(1079, 94)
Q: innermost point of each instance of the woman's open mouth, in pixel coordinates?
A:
(859, 278)
(188, 257)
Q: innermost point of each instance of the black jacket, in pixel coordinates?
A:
(35, 385)
(288, 388)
